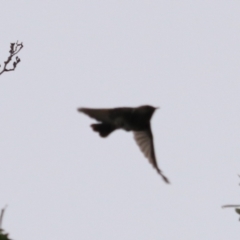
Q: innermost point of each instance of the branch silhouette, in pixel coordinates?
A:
(236, 206)
(3, 236)
(15, 48)
(1, 216)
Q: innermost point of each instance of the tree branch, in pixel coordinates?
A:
(1, 216)
(3, 235)
(226, 206)
(15, 48)
(236, 206)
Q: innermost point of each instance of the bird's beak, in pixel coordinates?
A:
(156, 108)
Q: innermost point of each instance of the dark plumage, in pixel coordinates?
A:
(129, 119)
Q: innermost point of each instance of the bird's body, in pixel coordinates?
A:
(129, 119)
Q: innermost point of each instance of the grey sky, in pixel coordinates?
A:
(62, 180)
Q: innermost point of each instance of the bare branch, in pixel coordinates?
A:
(15, 48)
(227, 206)
(236, 206)
(1, 216)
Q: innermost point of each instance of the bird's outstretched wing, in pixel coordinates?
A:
(101, 115)
(144, 140)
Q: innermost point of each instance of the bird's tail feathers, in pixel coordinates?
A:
(103, 129)
(162, 175)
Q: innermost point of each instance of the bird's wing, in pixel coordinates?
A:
(144, 140)
(101, 115)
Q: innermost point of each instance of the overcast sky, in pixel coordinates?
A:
(60, 179)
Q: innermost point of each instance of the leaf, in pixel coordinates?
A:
(4, 236)
(237, 210)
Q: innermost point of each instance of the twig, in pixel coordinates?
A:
(236, 206)
(15, 48)
(226, 206)
(1, 216)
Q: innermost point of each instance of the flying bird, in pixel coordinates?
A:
(130, 119)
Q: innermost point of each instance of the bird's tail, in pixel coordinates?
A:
(103, 129)
(163, 176)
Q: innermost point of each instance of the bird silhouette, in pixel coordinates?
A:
(129, 119)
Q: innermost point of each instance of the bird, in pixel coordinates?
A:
(135, 119)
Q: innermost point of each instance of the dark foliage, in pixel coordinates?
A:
(3, 235)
